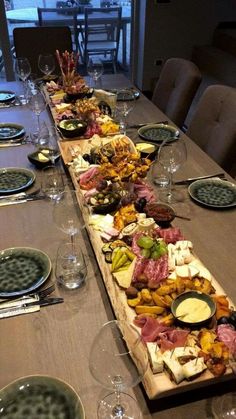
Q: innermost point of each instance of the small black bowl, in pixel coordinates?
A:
(163, 214)
(72, 97)
(71, 128)
(39, 160)
(182, 320)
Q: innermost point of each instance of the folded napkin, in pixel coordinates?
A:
(16, 307)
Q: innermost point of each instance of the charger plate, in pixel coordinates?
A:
(22, 270)
(157, 133)
(9, 131)
(214, 193)
(14, 179)
(41, 397)
(6, 96)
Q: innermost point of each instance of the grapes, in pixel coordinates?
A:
(140, 204)
(101, 185)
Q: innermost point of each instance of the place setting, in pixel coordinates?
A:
(12, 134)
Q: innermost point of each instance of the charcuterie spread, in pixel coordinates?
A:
(147, 265)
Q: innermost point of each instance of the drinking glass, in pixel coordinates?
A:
(52, 183)
(95, 70)
(46, 63)
(224, 406)
(37, 104)
(65, 214)
(111, 362)
(48, 142)
(171, 155)
(71, 269)
(124, 106)
(23, 70)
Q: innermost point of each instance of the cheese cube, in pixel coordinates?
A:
(155, 357)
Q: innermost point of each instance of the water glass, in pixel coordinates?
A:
(52, 184)
(71, 269)
(159, 175)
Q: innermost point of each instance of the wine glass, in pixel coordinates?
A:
(171, 155)
(37, 104)
(48, 143)
(118, 361)
(224, 406)
(71, 269)
(52, 183)
(23, 70)
(65, 214)
(95, 70)
(124, 106)
(46, 64)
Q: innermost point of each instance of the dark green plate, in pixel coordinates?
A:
(14, 179)
(215, 193)
(124, 95)
(10, 131)
(6, 96)
(157, 133)
(41, 397)
(22, 270)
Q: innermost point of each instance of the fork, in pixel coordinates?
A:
(190, 180)
(37, 295)
(20, 195)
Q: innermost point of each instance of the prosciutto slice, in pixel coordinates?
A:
(227, 334)
(166, 337)
(170, 235)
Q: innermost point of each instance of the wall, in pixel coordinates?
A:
(170, 29)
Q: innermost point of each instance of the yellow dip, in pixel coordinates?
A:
(193, 310)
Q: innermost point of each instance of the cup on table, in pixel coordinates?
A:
(52, 183)
(159, 175)
(71, 268)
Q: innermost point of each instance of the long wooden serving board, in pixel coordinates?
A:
(156, 385)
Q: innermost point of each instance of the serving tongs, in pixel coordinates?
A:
(190, 180)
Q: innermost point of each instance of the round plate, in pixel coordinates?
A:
(122, 97)
(40, 397)
(14, 179)
(6, 96)
(11, 131)
(215, 193)
(157, 133)
(22, 269)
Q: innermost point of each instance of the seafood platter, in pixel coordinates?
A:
(153, 277)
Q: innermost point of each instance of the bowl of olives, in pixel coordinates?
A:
(71, 128)
(104, 202)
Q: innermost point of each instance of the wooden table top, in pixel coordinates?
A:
(56, 341)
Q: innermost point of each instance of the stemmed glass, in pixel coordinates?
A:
(23, 70)
(171, 155)
(65, 215)
(37, 104)
(95, 70)
(111, 362)
(124, 106)
(48, 143)
(46, 64)
(52, 185)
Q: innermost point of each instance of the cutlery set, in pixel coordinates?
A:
(28, 303)
(20, 198)
(190, 180)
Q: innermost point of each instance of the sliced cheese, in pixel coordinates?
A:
(193, 368)
(62, 107)
(173, 367)
(202, 271)
(186, 271)
(185, 351)
(42, 158)
(155, 357)
(124, 278)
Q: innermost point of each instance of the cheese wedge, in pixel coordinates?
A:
(173, 367)
(155, 357)
(193, 368)
(124, 278)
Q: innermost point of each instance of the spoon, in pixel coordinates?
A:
(182, 217)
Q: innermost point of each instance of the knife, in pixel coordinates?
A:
(24, 305)
(147, 123)
(190, 180)
(20, 201)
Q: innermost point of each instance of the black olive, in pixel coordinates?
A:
(87, 157)
(223, 320)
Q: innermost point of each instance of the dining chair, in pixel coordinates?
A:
(101, 34)
(60, 16)
(213, 125)
(30, 42)
(176, 87)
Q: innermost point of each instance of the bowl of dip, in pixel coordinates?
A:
(193, 308)
(163, 214)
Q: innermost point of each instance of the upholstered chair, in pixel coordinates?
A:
(213, 125)
(176, 88)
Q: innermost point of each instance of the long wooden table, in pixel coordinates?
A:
(56, 341)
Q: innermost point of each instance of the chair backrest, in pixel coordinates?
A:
(58, 16)
(176, 88)
(102, 25)
(213, 125)
(31, 41)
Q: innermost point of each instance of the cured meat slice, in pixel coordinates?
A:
(170, 235)
(172, 338)
(227, 334)
(151, 328)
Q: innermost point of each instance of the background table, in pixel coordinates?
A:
(56, 341)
